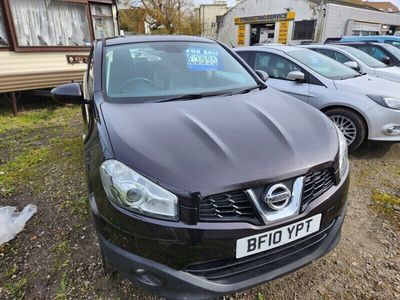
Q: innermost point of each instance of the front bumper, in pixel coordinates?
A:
(179, 284)
(384, 124)
(198, 261)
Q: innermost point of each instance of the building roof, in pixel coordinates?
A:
(383, 6)
(353, 3)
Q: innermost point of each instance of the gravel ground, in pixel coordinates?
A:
(57, 255)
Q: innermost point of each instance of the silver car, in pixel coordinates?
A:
(362, 106)
(358, 60)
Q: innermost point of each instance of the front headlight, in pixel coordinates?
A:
(387, 101)
(136, 193)
(343, 154)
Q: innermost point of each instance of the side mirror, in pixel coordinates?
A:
(296, 76)
(353, 65)
(68, 93)
(386, 60)
(263, 75)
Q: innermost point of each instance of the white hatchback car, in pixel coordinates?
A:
(362, 106)
(358, 60)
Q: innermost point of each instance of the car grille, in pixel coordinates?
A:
(317, 183)
(228, 207)
(234, 270)
(237, 207)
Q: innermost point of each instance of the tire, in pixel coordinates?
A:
(351, 124)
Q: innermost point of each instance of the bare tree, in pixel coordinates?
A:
(169, 16)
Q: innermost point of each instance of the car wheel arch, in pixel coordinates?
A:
(360, 114)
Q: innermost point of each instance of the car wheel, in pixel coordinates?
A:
(351, 124)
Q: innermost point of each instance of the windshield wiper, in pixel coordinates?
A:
(246, 90)
(183, 97)
(190, 97)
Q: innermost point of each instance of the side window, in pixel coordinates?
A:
(373, 51)
(342, 58)
(334, 55)
(276, 66)
(326, 52)
(394, 43)
(245, 55)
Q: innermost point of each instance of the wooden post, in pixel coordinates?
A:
(14, 104)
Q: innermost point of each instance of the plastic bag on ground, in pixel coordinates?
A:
(12, 222)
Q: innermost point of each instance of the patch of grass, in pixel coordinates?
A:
(78, 207)
(62, 288)
(20, 169)
(260, 296)
(17, 288)
(36, 117)
(10, 272)
(384, 198)
(62, 256)
(61, 248)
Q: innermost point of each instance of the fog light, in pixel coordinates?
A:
(146, 277)
(393, 130)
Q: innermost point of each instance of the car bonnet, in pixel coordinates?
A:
(368, 85)
(217, 144)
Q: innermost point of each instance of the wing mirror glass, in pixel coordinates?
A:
(386, 60)
(263, 75)
(68, 93)
(353, 65)
(296, 76)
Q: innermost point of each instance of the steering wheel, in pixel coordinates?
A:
(137, 84)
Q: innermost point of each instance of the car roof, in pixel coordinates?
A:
(371, 37)
(119, 40)
(344, 43)
(282, 48)
(327, 46)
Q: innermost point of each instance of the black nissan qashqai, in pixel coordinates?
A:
(202, 180)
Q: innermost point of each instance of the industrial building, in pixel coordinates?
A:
(296, 22)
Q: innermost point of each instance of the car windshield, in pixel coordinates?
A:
(323, 65)
(365, 58)
(158, 71)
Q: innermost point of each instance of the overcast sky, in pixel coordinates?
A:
(232, 2)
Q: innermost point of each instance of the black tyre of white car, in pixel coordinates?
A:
(351, 124)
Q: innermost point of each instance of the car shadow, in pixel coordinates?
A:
(371, 149)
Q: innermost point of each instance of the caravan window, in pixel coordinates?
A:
(3, 33)
(102, 18)
(50, 23)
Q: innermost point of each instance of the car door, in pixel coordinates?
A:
(278, 68)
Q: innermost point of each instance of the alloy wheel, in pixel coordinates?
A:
(346, 126)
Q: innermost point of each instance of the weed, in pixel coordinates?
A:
(62, 288)
(260, 296)
(17, 289)
(9, 273)
(384, 198)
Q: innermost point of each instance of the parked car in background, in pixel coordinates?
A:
(387, 39)
(362, 106)
(332, 40)
(358, 60)
(388, 54)
(203, 181)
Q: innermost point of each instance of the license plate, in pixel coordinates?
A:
(277, 237)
